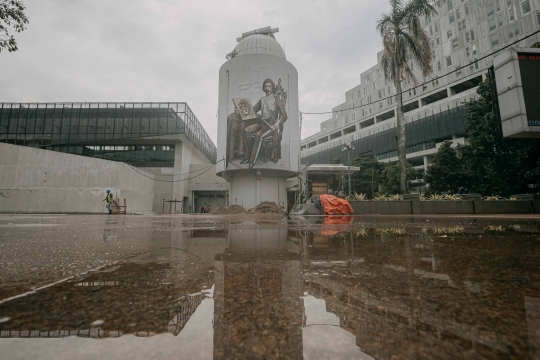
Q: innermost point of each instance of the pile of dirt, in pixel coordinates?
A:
(266, 207)
(233, 209)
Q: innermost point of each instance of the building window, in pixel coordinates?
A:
(492, 24)
(430, 30)
(472, 35)
(448, 61)
(454, 44)
(498, 5)
(525, 7)
(467, 37)
(452, 18)
(466, 8)
(474, 50)
(457, 14)
(489, 10)
(437, 40)
(468, 52)
(516, 29)
(450, 5)
(538, 16)
(494, 39)
(449, 33)
(436, 27)
(439, 65)
(511, 16)
(346, 119)
(500, 19)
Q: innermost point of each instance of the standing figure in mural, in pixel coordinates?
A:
(264, 137)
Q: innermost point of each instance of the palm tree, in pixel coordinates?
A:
(403, 39)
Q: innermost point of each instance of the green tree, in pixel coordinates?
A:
(498, 165)
(391, 177)
(11, 17)
(403, 39)
(446, 173)
(368, 179)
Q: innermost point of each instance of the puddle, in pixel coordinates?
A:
(311, 288)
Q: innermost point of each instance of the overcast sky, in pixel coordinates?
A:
(171, 50)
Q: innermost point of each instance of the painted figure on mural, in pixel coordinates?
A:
(252, 136)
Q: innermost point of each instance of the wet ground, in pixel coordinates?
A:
(86, 287)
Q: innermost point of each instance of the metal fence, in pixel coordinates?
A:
(61, 125)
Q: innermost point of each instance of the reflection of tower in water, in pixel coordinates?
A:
(258, 285)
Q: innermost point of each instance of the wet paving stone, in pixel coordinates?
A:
(240, 287)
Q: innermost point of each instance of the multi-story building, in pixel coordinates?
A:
(162, 142)
(462, 32)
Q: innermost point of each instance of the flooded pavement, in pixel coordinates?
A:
(143, 287)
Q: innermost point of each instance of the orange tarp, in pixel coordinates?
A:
(335, 206)
(327, 228)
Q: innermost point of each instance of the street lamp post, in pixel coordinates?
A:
(348, 147)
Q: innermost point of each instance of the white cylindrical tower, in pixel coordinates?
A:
(258, 121)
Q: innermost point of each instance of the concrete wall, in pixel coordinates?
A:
(162, 189)
(205, 180)
(41, 181)
(415, 206)
(186, 153)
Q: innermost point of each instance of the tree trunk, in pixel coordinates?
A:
(400, 119)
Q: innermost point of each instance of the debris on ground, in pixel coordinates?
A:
(233, 209)
(266, 207)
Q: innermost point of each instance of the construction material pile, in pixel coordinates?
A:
(266, 207)
(233, 209)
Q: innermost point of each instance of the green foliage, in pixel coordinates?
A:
(446, 172)
(404, 39)
(11, 17)
(390, 177)
(336, 161)
(489, 163)
(496, 165)
(369, 177)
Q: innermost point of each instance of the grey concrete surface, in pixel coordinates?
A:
(41, 181)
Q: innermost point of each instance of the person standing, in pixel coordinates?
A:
(109, 199)
(273, 115)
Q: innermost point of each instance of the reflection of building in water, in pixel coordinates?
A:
(258, 310)
(154, 293)
(407, 297)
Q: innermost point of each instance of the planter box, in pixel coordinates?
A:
(504, 207)
(447, 207)
(381, 207)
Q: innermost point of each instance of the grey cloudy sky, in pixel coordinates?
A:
(171, 50)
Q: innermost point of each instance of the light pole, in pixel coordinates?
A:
(348, 147)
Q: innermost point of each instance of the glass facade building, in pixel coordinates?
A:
(421, 134)
(126, 132)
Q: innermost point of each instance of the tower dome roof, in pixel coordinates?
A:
(259, 44)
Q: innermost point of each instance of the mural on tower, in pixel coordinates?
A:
(255, 133)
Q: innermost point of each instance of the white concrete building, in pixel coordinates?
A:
(463, 31)
(258, 122)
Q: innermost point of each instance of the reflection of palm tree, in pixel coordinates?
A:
(403, 39)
